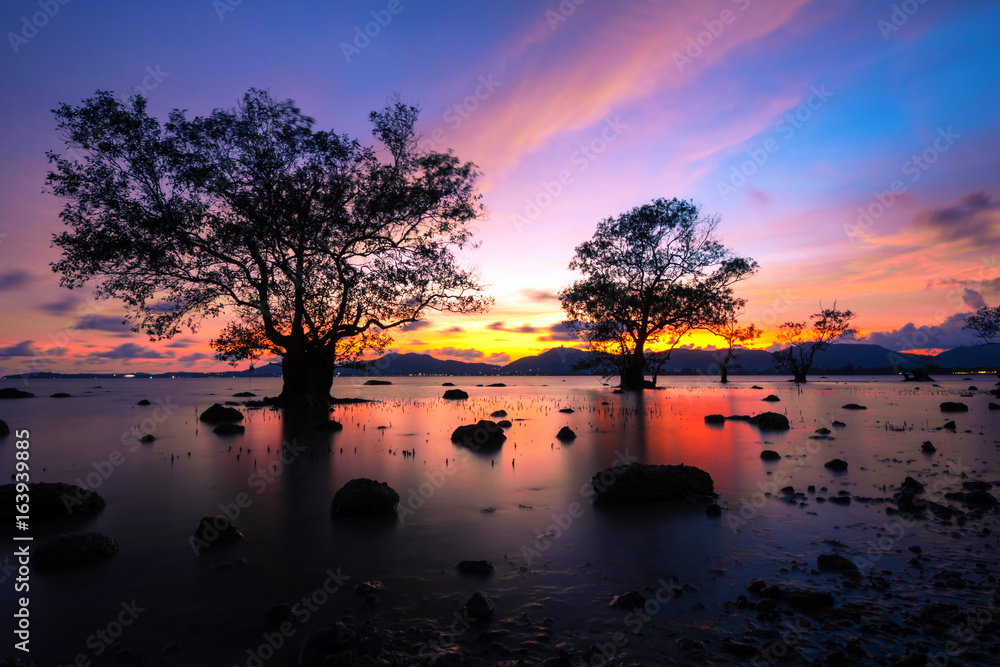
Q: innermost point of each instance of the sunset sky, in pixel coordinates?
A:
(850, 147)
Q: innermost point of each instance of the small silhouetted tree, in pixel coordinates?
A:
(985, 322)
(313, 244)
(650, 275)
(735, 337)
(803, 340)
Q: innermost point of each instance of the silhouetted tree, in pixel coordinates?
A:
(316, 245)
(802, 341)
(736, 338)
(649, 275)
(986, 323)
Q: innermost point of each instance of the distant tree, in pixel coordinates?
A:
(314, 245)
(735, 337)
(986, 323)
(802, 341)
(650, 275)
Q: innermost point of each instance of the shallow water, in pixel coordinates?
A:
(557, 556)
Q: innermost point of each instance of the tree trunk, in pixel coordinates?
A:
(307, 377)
(800, 377)
(724, 372)
(633, 376)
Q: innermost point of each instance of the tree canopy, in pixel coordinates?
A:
(985, 322)
(803, 341)
(649, 276)
(313, 244)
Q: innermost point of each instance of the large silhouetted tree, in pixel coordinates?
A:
(986, 323)
(802, 341)
(650, 276)
(313, 244)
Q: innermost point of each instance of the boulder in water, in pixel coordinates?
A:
(854, 406)
(952, 406)
(481, 436)
(566, 434)
(480, 567)
(363, 497)
(835, 563)
(771, 398)
(11, 392)
(229, 428)
(73, 549)
(50, 500)
(770, 421)
(715, 419)
(4, 429)
(643, 482)
(329, 426)
(455, 394)
(838, 465)
(770, 455)
(479, 608)
(220, 413)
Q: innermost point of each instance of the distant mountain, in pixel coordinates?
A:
(861, 356)
(557, 361)
(969, 357)
(413, 363)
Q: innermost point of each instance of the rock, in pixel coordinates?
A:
(229, 429)
(771, 421)
(994, 406)
(765, 606)
(231, 564)
(377, 383)
(911, 485)
(838, 465)
(567, 411)
(11, 392)
(974, 498)
(484, 435)
(480, 567)
(143, 402)
(4, 429)
(149, 437)
(756, 585)
(951, 406)
(455, 394)
(447, 384)
(363, 497)
(73, 549)
(823, 431)
(713, 511)
(841, 500)
(951, 426)
(808, 601)
(629, 601)
(216, 530)
(565, 433)
(715, 419)
(244, 394)
(372, 587)
(497, 384)
(641, 482)
(50, 500)
(756, 387)
(61, 394)
(498, 414)
(770, 455)
(479, 607)
(278, 615)
(854, 406)
(839, 424)
(338, 637)
(771, 398)
(928, 447)
(220, 413)
(835, 563)
(329, 426)
(504, 423)
(908, 503)
(743, 651)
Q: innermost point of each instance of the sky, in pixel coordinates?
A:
(850, 147)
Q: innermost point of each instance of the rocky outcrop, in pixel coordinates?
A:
(218, 414)
(566, 434)
(771, 421)
(485, 435)
(480, 567)
(365, 497)
(73, 549)
(50, 500)
(11, 392)
(642, 482)
(456, 394)
(952, 406)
